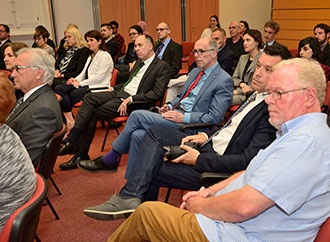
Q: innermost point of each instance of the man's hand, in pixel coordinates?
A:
(174, 116)
(189, 158)
(198, 139)
(164, 109)
(245, 88)
(123, 106)
(203, 193)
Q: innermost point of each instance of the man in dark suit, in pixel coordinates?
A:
(230, 150)
(110, 42)
(168, 50)
(322, 33)
(37, 115)
(147, 82)
(4, 38)
(271, 29)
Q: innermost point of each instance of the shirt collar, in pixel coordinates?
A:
(166, 42)
(149, 60)
(29, 93)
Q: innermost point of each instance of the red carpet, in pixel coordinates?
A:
(80, 190)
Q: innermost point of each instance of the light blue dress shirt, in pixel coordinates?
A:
(160, 55)
(294, 172)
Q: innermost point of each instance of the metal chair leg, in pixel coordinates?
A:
(168, 195)
(36, 237)
(105, 137)
(52, 208)
(56, 187)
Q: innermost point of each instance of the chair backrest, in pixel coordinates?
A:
(187, 47)
(294, 52)
(113, 77)
(49, 155)
(324, 233)
(22, 224)
(191, 59)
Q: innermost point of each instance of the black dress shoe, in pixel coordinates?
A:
(97, 165)
(71, 164)
(68, 149)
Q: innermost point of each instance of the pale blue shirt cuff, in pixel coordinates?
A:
(186, 118)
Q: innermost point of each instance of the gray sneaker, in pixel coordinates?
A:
(115, 208)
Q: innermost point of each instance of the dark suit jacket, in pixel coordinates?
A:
(153, 82)
(76, 64)
(112, 47)
(172, 56)
(253, 133)
(2, 63)
(325, 55)
(36, 120)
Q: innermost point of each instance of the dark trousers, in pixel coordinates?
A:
(96, 106)
(70, 95)
(149, 172)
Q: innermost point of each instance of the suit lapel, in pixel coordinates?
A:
(256, 58)
(27, 102)
(168, 47)
(150, 68)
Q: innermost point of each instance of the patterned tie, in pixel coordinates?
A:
(18, 103)
(190, 88)
(132, 76)
(160, 47)
(251, 99)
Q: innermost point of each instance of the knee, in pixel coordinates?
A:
(146, 208)
(137, 135)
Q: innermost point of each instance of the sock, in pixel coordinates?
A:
(111, 157)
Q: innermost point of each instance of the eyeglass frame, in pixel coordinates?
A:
(19, 67)
(161, 29)
(280, 93)
(132, 34)
(200, 51)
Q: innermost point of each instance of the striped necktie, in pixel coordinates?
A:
(251, 99)
(132, 76)
(160, 47)
(18, 103)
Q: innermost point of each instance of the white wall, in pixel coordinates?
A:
(73, 11)
(255, 12)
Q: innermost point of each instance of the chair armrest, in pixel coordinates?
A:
(196, 126)
(209, 178)
(131, 106)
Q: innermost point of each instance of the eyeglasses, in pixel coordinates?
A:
(132, 34)
(17, 67)
(3, 31)
(161, 29)
(200, 51)
(277, 95)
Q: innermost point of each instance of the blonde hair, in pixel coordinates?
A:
(80, 41)
(310, 74)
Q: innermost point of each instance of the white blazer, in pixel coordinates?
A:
(99, 71)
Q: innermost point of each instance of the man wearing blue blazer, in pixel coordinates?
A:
(205, 98)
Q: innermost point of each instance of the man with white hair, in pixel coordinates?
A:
(37, 115)
(283, 195)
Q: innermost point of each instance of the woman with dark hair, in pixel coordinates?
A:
(214, 23)
(17, 175)
(49, 41)
(95, 75)
(244, 27)
(126, 63)
(40, 38)
(73, 59)
(246, 65)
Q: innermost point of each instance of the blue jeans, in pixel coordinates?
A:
(131, 137)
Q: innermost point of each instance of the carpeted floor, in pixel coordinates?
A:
(80, 190)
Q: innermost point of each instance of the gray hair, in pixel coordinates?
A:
(213, 44)
(310, 74)
(41, 59)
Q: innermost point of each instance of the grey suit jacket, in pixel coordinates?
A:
(36, 120)
(238, 74)
(213, 99)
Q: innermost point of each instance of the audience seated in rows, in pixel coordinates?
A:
(322, 33)
(205, 102)
(110, 43)
(73, 59)
(229, 149)
(125, 63)
(283, 195)
(4, 38)
(148, 80)
(271, 29)
(235, 42)
(41, 28)
(246, 66)
(37, 115)
(40, 39)
(17, 175)
(95, 75)
(60, 50)
(10, 55)
(213, 24)
(168, 50)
